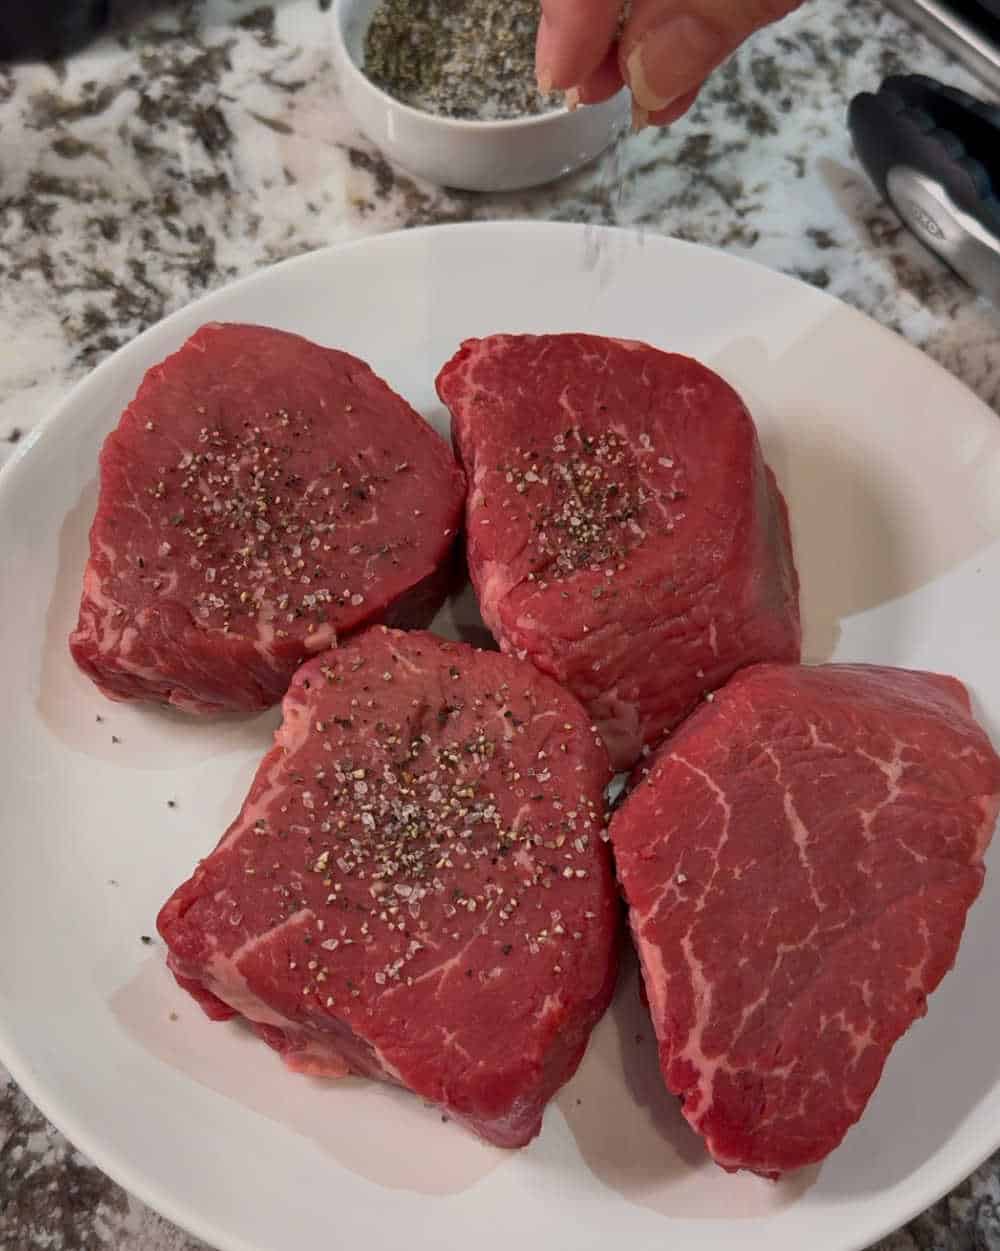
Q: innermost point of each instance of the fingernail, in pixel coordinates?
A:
(544, 77)
(573, 98)
(640, 118)
(672, 58)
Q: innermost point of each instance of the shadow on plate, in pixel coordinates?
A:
(937, 1075)
(459, 619)
(846, 541)
(627, 1128)
(864, 531)
(404, 1144)
(633, 1137)
(842, 531)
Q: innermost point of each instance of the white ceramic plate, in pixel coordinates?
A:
(892, 471)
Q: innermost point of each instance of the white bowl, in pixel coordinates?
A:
(471, 155)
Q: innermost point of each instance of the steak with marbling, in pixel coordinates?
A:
(798, 860)
(417, 888)
(261, 497)
(624, 533)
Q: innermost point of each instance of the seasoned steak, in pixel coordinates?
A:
(417, 888)
(624, 533)
(799, 860)
(260, 497)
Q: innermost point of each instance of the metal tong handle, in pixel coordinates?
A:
(934, 154)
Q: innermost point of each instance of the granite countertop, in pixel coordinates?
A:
(200, 141)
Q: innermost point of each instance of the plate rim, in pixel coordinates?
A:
(40, 430)
(107, 1158)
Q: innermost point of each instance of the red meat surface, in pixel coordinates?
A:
(418, 887)
(624, 533)
(798, 861)
(260, 497)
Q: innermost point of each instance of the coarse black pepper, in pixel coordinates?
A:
(265, 549)
(471, 59)
(397, 821)
(588, 503)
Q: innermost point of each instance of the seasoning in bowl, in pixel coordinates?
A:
(472, 59)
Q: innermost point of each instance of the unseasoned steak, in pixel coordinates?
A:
(798, 863)
(624, 533)
(418, 887)
(260, 497)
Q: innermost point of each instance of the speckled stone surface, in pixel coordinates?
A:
(199, 142)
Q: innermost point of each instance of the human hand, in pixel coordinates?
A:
(665, 51)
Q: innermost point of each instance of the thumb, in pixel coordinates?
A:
(669, 47)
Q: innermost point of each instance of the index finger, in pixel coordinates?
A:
(574, 37)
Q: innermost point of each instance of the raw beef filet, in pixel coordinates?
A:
(417, 888)
(798, 863)
(624, 533)
(260, 497)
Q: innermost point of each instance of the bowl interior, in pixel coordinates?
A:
(353, 19)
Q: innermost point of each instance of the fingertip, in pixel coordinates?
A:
(574, 37)
(663, 61)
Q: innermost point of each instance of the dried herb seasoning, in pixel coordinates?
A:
(470, 59)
